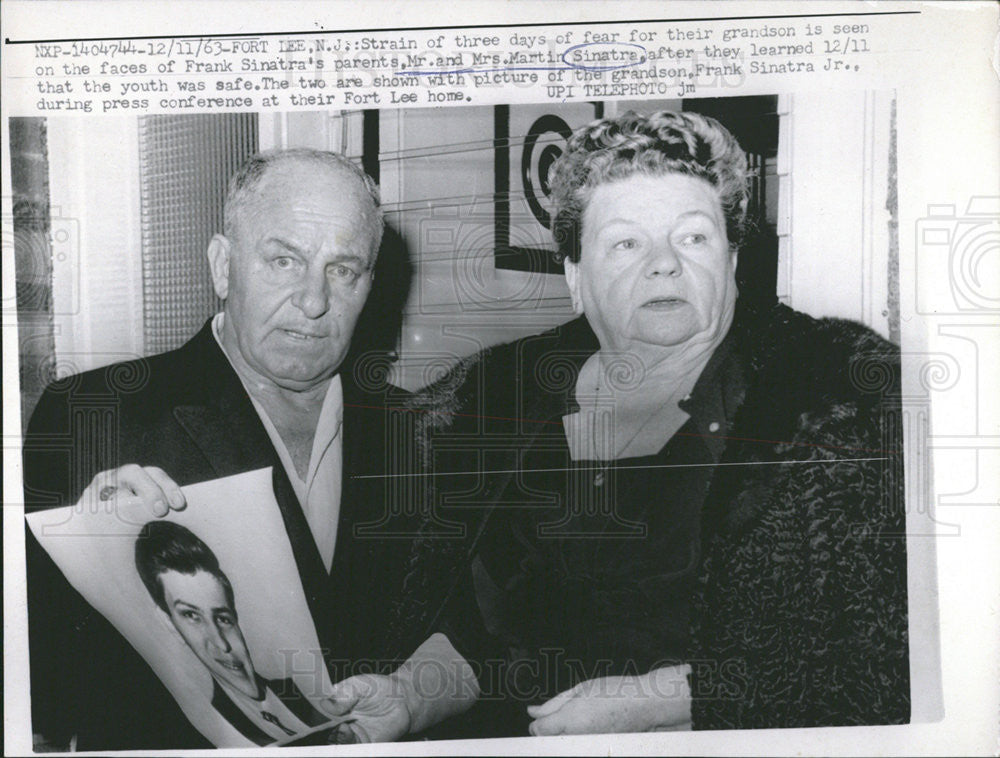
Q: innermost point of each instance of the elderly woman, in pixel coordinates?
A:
(682, 510)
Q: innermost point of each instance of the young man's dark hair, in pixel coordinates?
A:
(165, 546)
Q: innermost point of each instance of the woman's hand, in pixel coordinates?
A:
(657, 701)
(149, 484)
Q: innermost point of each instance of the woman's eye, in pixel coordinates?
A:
(191, 616)
(225, 620)
(695, 238)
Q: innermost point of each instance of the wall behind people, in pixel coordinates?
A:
(837, 213)
(96, 242)
(468, 190)
(185, 164)
(32, 229)
(135, 202)
(823, 243)
(829, 205)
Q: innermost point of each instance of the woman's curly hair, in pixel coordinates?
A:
(666, 142)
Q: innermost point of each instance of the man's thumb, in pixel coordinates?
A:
(341, 701)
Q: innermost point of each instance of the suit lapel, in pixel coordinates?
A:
(361, 572)
(228, 433)
(219, 416)
(225, 427)
(362, 443)
(236, 718)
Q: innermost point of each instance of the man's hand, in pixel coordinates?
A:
(657, 701)
(434, 683)
(149, 484)
(376, 708)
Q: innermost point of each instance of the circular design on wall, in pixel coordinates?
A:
(543, 144)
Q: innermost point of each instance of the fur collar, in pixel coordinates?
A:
(805, 362)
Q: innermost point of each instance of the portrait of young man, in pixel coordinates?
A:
(184, 579)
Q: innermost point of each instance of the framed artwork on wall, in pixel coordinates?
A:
(528, 139)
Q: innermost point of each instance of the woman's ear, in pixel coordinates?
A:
(572, 273)
(219, 251)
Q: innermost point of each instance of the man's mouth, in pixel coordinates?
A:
(664, 303)
(302, 336)
(234, 666)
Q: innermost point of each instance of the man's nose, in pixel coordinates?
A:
(313, 296)
(663, 260)
(218, 640)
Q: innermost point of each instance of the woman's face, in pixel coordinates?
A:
(655, 268)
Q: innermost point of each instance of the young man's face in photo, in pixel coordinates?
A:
(201, 611)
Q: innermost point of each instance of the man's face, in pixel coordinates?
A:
(201, 612)
(296, 275)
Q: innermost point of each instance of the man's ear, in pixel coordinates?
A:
(572, 273)
(219, 251)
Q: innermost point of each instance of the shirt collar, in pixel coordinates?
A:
(713, 402)
(331, 416)
(576, 343)
(716, 396)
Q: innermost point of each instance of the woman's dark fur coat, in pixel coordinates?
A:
(800, 616)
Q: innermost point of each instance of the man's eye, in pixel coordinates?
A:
(226, 620)
(193, 616)
(342, 272)
(283, 262)
(626, 244)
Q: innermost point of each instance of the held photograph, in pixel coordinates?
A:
(215, 632)
(579, 418)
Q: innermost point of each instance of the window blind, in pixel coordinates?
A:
(186, 162)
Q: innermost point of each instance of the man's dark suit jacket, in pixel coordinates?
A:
(187, 412)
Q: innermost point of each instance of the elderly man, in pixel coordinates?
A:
(262, 384)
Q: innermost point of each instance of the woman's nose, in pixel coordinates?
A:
(313, 296)
(663, 260)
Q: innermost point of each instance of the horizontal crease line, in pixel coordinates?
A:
(606, 467)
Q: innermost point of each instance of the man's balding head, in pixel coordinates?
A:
(245, 184)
